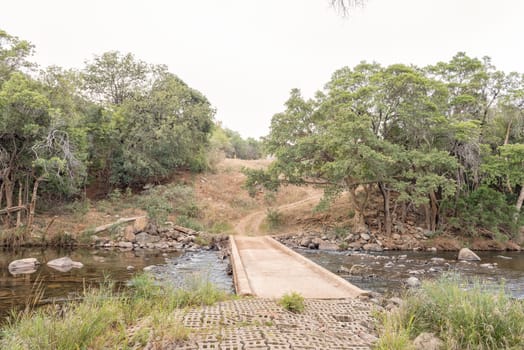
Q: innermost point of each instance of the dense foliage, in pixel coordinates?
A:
(232, 145)
(439, 143)
(119, 122)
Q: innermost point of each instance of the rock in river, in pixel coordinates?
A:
(64, 264)
(467, 254)
(23, 266)
(413, 282)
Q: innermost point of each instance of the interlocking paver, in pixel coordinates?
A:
(257, 324)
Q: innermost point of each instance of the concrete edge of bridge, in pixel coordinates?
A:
(240, 280)
(352, 290)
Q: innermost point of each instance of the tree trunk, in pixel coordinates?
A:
(508, 130)
(2, 194)
(32, 205)
(520, 200)
(434, 210)
(19, 214)
(8, 198)
(404, 213)
(387, 213)
(359, 224)
(427, 215)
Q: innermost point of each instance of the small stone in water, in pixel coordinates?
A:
(130, 268)
(413, 282)
(149, 268)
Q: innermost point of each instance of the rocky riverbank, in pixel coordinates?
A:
(144, 235)
(418, 240)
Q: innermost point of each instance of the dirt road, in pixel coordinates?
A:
(250, 225)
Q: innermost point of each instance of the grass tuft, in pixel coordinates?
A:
(293, 302)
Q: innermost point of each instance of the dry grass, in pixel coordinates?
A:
(221, 199)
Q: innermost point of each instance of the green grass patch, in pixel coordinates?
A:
(463, 314)
(293, 302)
(108, 319)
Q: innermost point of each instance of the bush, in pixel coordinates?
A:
(488, 209)
(463, 316)
(274, 218)
(161, 201)
(189, 222)
(293, 302)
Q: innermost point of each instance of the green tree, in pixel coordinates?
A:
(33, 147)
(164, 129)
(13, 55)
(114, 77)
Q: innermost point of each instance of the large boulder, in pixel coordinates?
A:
(144, 238)
(373, 247)
(125, 245)
(467, 254)
(365, 236)
(23, 266)
(305, 242)
(64, 264)
(129, 233)
(140, 224)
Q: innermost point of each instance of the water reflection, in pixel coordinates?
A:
(16, 290)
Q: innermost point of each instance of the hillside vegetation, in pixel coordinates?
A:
(441, 145)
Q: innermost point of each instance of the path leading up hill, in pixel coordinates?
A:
(250, 225)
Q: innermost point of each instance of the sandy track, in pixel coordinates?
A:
(250, 224)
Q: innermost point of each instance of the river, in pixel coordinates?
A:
(384, 272)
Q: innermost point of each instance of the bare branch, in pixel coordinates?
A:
(344, 6)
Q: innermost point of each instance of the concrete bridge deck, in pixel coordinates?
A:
(268, 269)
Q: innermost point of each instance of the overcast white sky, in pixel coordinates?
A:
(246, 55)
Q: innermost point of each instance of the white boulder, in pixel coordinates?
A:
(468, 255)
(64, 264)
(23, 266)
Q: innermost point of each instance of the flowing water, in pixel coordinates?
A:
(386, 272)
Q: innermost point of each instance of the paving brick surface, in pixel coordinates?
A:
(256, 324)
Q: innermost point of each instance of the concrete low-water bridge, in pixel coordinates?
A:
(266, 268)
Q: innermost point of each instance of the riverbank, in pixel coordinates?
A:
(420, 240)
(453, 313)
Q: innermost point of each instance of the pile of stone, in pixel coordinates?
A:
(315, 240)
(141, 234)
(366, 241)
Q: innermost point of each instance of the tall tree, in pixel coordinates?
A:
(114, 77)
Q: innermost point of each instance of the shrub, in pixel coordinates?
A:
(188, 222)
(161, 201)
(488, 209)
(293, 302)
(274, 218)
